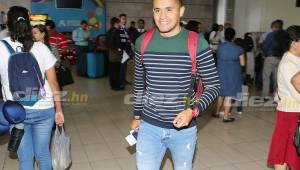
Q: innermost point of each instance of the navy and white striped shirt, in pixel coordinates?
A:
(162, 79)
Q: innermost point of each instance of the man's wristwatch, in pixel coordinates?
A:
(195, 112)
(137, 117)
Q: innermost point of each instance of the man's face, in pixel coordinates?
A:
(50, 31)
(167, 14)
(38, 35)
(132, 24)
(123, 20)
(275, 27)
(117, 25)
(141, 25)
(295, 46)
(227, 25)
(84, 26)
(221, 28)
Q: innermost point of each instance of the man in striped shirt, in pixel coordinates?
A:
(162, 81)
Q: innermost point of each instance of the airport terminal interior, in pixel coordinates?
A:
(98, 105)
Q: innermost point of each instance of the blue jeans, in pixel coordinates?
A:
(36, 140)
(153, 142)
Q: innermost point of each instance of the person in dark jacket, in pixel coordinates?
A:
(126, 49)
(141, 27)
(114, 54)
(132, 32)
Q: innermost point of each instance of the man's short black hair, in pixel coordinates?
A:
(180, 2)
(278, 23)
(113, 21)
(141, 20)
(122, 15)
(83, 22)
(192, 25)
(50, 23)
(229, 34)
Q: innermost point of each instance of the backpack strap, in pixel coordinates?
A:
(9, 48)
(146, 40)
(192, 47)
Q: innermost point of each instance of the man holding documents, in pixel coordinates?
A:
(125, 47)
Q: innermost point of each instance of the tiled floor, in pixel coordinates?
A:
(97, 130)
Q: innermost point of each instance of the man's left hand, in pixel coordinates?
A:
(183, 119)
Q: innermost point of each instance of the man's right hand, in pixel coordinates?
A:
(135, 124)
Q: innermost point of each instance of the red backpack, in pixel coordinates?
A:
(192, 48)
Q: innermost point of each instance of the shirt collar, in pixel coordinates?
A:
(292, 57)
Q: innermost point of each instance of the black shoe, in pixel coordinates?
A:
(266, 99)
(231, 119)
(15, 139)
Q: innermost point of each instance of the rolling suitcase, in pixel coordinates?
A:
(95, 65)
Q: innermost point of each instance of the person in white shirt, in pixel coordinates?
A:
(214, 38)
(221, 33)
(141, 26)
(282, 153)
(39, 117)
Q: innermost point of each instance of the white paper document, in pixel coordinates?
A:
(125, 57)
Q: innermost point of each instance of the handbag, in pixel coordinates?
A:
(297, 137)
(60, 150)
(114, 55)
(64, 76)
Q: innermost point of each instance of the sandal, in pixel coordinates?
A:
(230, 119)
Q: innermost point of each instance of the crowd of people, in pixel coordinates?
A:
(166, 58)
(278, 75)
(120, 43)
(232, 64)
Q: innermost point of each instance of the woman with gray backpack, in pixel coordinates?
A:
(27, 70)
